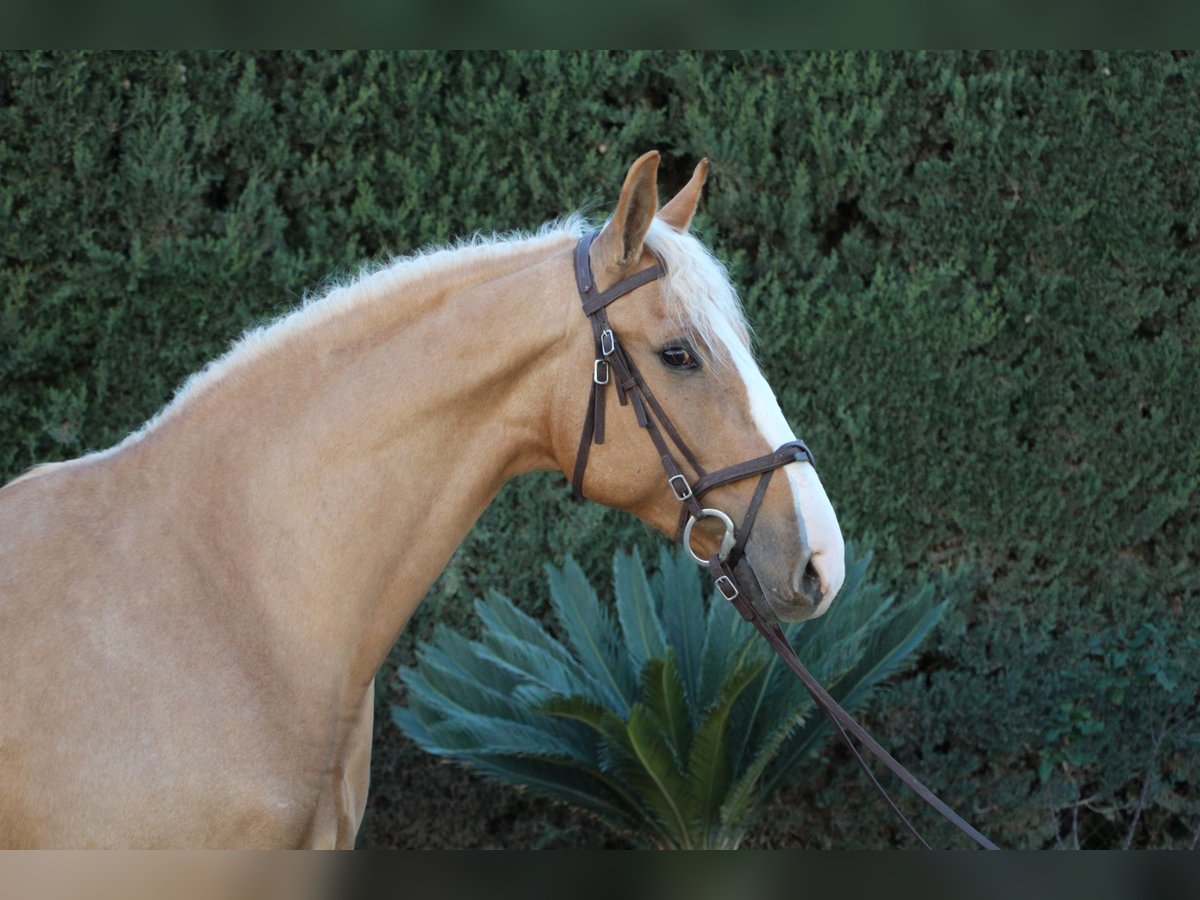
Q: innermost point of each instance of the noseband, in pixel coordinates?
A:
(613, 365)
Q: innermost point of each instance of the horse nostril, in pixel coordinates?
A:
(812, 582)
(806, 582)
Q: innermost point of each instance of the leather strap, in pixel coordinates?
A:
(793, 451)
(610, 358)
(613, 365)
(843, 722)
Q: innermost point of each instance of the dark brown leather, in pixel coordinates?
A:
(793, 451)
(845, 725)
(618, 368)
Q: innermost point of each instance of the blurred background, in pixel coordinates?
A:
(973, 277)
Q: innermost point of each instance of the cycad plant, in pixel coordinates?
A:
(671, 720)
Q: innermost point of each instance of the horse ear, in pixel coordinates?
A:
(619, 246)
(678, 213)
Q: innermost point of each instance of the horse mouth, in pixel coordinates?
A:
(792, 607)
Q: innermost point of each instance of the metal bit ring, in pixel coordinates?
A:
(727, 542)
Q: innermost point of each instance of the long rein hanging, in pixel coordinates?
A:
(614, 366)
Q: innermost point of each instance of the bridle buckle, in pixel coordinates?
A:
(608, 342)
(683, 492)
(726, 582)
(600, 367)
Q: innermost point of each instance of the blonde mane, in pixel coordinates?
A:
(373, 284)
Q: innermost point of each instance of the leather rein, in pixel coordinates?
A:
(613, 365)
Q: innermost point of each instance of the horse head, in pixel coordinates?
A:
(662, 332)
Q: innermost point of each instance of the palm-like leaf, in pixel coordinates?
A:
(669, 718)
(679, 603)
(590, 632)
(708, 768)
(640, 625)
(663, 693)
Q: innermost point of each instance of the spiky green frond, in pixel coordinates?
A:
(679, 598)
(502, 619)
(640, 628)
(589, 630)
(497, 736)
(724, 636)
(744, 795)
(570, 782)
(708, 768)
(662, 784)
(443, 694)
(770, 699)
(663, 693)
(601, 719)
(451, 652)
(533, 666)
(887, 648)
(614, 755)
(669, 718)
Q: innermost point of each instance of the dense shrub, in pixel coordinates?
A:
(974, 280)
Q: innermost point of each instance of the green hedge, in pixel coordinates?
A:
(974, 282)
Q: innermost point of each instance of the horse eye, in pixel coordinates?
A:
(679, 358)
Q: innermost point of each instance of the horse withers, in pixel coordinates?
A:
(191, 621)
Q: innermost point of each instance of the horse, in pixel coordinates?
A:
(191, 621)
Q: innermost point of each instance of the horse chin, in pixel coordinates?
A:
(770, 605)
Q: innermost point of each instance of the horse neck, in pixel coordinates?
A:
(335, 475)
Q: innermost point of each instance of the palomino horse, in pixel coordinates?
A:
(191, 621)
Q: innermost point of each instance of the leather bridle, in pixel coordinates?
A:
(613, 365)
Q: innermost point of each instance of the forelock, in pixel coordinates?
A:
(699, 295)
